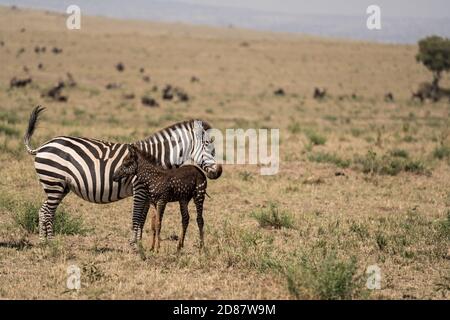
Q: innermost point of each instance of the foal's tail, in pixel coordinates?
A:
(34, 117)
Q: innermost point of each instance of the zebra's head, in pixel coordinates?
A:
(203, 153)
(129, 165)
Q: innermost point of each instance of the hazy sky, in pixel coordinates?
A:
(397, 8)
(403, 21)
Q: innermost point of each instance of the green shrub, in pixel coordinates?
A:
(381, 241)
(415, 166)
(325, 157)
(27, 218)
(326, 278)
(315, 138)
(441, 152)
(356, 132)
(9, 131)
(246, 175)
(388, 164)
(274, 218)
(400, 153)
(9, 117)
(294, 127)
(444, 227)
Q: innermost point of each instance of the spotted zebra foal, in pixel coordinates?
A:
(160, 186)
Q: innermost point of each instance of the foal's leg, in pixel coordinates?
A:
(158, 221)
(153, 223)
(198, 200)
(184, 221)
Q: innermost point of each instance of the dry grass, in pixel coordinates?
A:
(352, 197)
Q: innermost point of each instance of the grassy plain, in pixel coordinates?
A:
(362, 181)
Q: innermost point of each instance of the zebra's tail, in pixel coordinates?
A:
(34, 117)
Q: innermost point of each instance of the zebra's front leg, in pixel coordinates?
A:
(140, 206)
(143, 219)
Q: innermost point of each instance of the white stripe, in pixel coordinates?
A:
(80, 160)
(69, 165)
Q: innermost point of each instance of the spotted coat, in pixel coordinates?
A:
(160, 186)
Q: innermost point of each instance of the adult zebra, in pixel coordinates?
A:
(86, 167)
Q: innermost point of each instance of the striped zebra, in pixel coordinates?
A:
(86, 167)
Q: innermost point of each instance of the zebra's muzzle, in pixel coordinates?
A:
(214, 172)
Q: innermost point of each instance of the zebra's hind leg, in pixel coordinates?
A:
(140, 209)
(55, 194)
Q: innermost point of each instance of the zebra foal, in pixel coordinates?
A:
(162, 186)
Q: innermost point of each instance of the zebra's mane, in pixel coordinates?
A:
(205, 124)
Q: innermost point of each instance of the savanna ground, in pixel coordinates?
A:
(362, 181)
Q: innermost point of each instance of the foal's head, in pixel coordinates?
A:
(130, 164)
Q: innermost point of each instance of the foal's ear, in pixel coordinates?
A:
(132, 150)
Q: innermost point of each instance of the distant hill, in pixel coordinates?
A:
(394, 30)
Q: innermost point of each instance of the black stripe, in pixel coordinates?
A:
(51, 183)
(83, 141)
(113, 168)
(89, 162)
(50, 174)
(68, 158)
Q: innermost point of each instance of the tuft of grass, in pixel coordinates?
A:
(325, 157)
(412, 235)
(388, 164)
(441, 152)
(409, 139)
(359, 229)
(9, 131)
(399, 153)
(246, 175)
(272, 217)
(356, 132)
(92, 272)
(242, 248)
(330, 118)
(381, 241)
(294, 127)
(326, 278)
(9, 117)
(315, 138)
(292, 188)
(415, 166)
(27, 218)
(444, 227)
